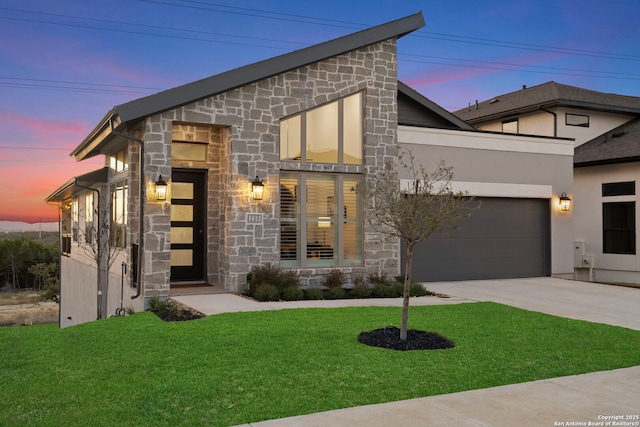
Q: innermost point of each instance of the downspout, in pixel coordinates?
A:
(555, 120)
(99, 254)
(59, 206)
(142, 195)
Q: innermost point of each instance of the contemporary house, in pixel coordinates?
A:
(262, 164)
(606, 133)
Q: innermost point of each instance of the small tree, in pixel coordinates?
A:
(412, 213)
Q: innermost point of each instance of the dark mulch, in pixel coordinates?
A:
(389, 337)
(173, 311)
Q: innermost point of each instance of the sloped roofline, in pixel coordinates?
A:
(66, 190)
(426, 102)
(191, 92)
(547, 95)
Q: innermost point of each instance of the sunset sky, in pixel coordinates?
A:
(65, 63)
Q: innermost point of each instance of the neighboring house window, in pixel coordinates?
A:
(331, 133)
(119, 161)
(618, 228)
(321, 213)
(510, 126)
(88, 219)
(619, 189)
(576, 120)
(189, 142)
(320, 219)
(74, 220)
(118, 234)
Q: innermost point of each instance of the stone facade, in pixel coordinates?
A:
(244, 143)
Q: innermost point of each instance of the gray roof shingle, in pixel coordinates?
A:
(619, 145)
(548, 95)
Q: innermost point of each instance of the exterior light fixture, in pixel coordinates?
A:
(161, 189)
(565, 203)
(257, 188)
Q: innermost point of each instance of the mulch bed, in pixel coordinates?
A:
(176, 312)
(389, 337)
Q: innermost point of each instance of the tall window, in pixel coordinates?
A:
(74, 219)
(331, 133)
(619, 228)
(89, 231)
(320, 219)
(118, 233)
(321, 213)
(119, 161)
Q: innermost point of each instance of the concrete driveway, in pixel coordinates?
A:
(594, 302)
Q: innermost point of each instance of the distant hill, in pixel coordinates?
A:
(16, 226)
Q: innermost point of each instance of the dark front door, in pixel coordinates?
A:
(188, 207)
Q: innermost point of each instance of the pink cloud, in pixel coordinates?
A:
(41, 132)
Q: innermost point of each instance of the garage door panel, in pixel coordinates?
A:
(504, 238)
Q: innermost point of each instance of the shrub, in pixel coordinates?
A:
(292, 293)
(377, 279)
(397, 290)
(270, 274)
(266, 293)
(313, 294)
(335, 279)
(51, 292)
(334, 293)
(360, 290)
(382, 290)
(417, 290)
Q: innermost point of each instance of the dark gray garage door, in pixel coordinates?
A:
(505, 238)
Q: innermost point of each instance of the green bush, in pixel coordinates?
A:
(360, 290)
(292, 293)
(382, 290)
(270, 274)
(397, 290)
(266, 293)
(417, 290)
(313, 294)
(334, 293)
(377, 279)
(335, 279)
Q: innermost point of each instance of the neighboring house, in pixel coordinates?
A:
(605, 129)
(176, 204)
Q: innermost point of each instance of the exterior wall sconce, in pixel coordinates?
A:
(257, 188)
(161, 189)
(565, 203)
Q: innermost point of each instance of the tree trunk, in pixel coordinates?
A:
(406, 292)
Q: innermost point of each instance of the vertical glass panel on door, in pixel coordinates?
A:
(182, 190)
(182, 213)
(181, 257)
(289, 220)
(353, 223)
(321, 220)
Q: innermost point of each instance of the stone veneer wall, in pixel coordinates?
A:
(250, 147)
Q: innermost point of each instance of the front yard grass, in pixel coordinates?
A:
(245, 367)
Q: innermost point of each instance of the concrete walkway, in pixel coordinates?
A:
(580, 399)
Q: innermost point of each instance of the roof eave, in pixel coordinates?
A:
(66, 190)
(91, 146)
(238, 77)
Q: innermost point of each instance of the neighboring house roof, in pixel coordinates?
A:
(77, 183)
(191, 92)
(619, 145)
(414, 109)
(547, 95)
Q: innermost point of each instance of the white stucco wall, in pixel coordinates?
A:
(506, 165)
(542, 123)
(588, 224)
(78, 289)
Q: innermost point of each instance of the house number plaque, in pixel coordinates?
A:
(254, 218)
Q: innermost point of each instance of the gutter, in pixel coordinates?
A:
(142, 193)
(555, 119)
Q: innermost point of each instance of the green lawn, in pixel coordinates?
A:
(245, 367)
